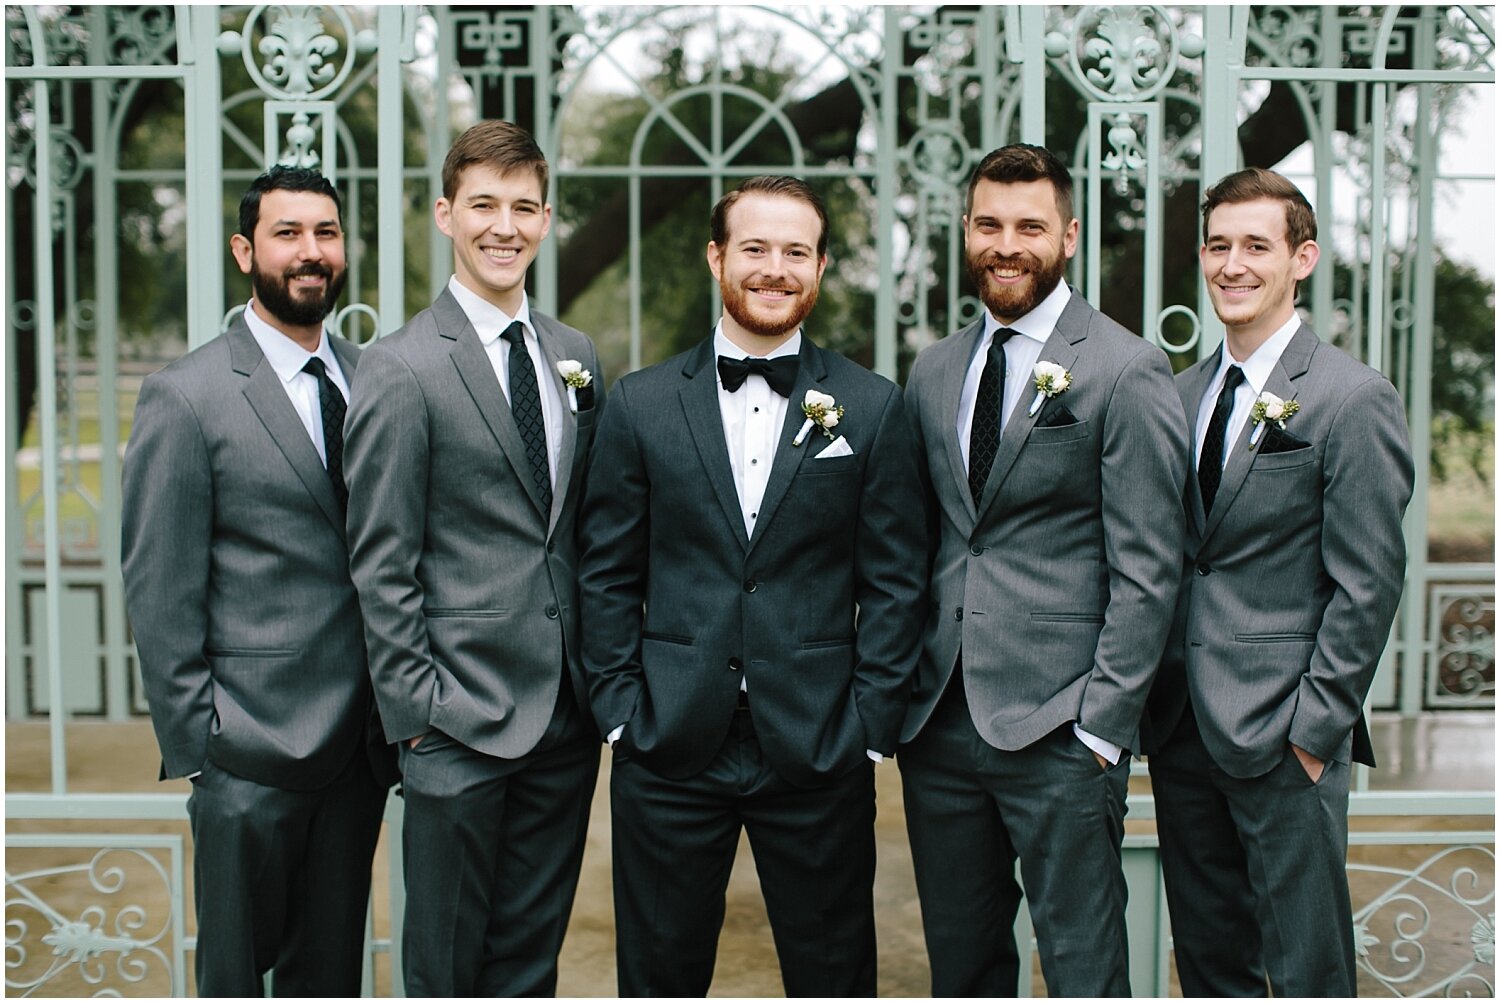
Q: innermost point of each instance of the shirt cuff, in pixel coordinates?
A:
(614, 736)
(875, 757)
(1107, 749)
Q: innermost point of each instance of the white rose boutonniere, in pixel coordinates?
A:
(575, 377)
(1270, 408)
(1050, 380)
(822, 411)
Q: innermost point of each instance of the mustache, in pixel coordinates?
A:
(1024, 261)
(312, 270)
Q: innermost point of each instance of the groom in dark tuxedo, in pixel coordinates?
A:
(744, 499)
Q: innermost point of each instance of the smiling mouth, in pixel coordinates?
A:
(503, 255)
(1238, 290)
(773, 292)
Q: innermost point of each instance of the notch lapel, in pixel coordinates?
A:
(267, 397)
(1060, 347)
(788, 459)
(478, 376)
(568, 440)
(1192, 385)
(951, 379)
(699, 397)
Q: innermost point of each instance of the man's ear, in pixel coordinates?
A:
(244, 253)
(715, 259)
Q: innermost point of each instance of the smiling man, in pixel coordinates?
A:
(1055, 455)
(1291, 577)
(247, 624)
(466, 453)
(744, 500)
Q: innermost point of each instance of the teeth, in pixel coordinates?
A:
(500, 253)
(1008, 273)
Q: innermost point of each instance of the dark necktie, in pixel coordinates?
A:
(332, 405)
(526, 408)
(1211, 459)
(984, 427)
(780, 373)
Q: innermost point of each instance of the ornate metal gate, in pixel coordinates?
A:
(131, 131)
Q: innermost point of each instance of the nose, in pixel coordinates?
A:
(503, 223)
(309, 248)
(1007, 243)
(1234, 264)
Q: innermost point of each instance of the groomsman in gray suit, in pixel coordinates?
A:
(247, 624)
(466, 457)
(1055, 455)
(1291, 577)
(745, 499)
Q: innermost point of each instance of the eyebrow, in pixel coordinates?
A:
(490, 197)
(763, 240)
(1249, 236)
(297, 222)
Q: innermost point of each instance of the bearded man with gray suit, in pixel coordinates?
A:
(248, 627)
(466, 458)
(744, 499)
(1054, 456)
(1291, 576)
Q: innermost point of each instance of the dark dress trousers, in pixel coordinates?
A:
(253, 657)
(682, 606)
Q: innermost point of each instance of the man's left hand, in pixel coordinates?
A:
(1312, 764)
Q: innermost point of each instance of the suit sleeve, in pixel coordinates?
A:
(1367, 483)
(166, 539)
(890, 578)
(386, 463)
(614, 539)
(1143, 466)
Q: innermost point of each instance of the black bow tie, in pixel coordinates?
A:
(780, 373)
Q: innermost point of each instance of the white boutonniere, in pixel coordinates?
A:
(575, 377)
(821, 411)
(1270, 408)
(1050, 380)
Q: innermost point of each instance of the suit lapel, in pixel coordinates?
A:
(478, 376)
(810, 371)
(1060, 347)
(1291, 366)
(955, 369)
(700, 409)
(1192, 385)
(568, 445)
(267, 396)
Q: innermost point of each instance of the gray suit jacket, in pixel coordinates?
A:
(468, 587)
(681, 605)
(1058, 587)
(1291, 581)
(237, 574)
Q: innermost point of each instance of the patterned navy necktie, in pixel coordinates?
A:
(526, 408)
(333, 407)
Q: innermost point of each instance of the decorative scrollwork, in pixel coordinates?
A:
(137, 35)
(101, 949)
(938, 155)
(1465, 655)
(299, 59)
(1408, 919)
(68, 160)
(1121, 54)
(492, 34)
(1292, 33)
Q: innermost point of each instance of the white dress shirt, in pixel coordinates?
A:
(752, 417)
(1022, 352)
(287, 358)
(1257, 371)
(490, 323)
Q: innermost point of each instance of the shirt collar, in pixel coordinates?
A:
(1039, 323)
(489, 320)
(285, 356)
(1263, 360)
(723, 346)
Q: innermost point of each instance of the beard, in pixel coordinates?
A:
(1014, 302)
(737, 305)
(275, 294)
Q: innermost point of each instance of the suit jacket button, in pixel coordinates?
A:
(958, 614)
(976, 550)
(735, 665)
(1205, 570)
(551, 612)
(749, 584)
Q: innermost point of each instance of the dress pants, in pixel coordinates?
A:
(1254, 870)
(674, 846)
(282, 881)
(971, 811)
(492, 850)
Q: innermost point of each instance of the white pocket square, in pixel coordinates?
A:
(838, 447)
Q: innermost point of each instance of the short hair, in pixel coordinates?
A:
(780, 185)
(1255, 183)
(494, 143)
(1019, 163)
(281, 178)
